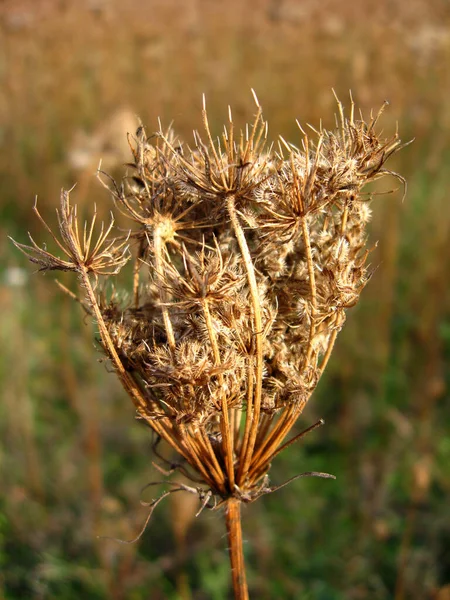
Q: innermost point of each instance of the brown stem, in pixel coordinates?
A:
(253, 409)
(159, 247)
(224, 420)
(274, 439)
(330, 345)
(312, 284)
(260, 465)
(234, 530)
(126, 379)
(136, 271)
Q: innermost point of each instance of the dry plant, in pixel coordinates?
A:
(245, 258)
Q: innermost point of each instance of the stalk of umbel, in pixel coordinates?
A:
(244, 259)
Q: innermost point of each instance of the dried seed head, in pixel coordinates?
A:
(104, 256)
(245, 261)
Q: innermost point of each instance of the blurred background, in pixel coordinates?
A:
(73, 460)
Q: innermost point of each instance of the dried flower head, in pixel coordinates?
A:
(246, 258)
(101, 257)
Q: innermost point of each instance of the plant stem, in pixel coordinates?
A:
(159, 267)
(234, 530)
(224, 421)
(253, 404)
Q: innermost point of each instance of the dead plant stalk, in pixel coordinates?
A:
(245, 258)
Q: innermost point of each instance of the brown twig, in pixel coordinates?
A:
(235, 548)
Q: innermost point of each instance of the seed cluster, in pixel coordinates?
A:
(245, 258)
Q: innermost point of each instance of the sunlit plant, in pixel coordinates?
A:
(245, 258)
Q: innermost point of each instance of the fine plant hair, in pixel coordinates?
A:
(244, 258)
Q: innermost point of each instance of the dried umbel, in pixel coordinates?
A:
(245, 258)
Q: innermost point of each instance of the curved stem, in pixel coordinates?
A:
(253, 405)
(235, 548)
(127, 381)
(331, 341)
(158, 252)
(312, 284)
(224, 420)
(274, 437)
(125, 378)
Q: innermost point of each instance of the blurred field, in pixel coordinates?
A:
(73, 460)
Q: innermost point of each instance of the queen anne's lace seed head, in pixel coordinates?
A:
(245, 261)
